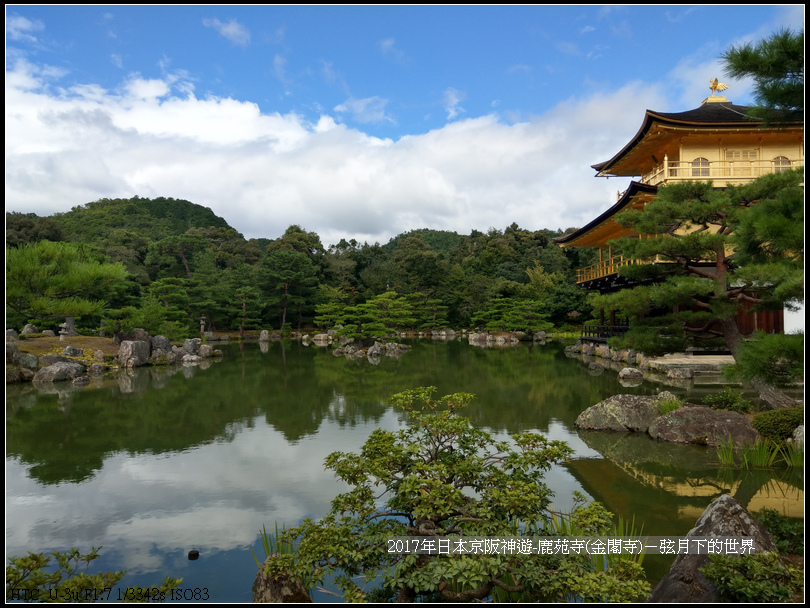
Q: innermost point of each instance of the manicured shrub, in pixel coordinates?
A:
(787, 533)
(728, 400)
(778, 425)
(761, 577)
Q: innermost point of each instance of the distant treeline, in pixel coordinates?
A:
(185, 264)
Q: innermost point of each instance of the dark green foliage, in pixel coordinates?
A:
(379, 317)
(438, 240)
(245, 310)
(47, 280)
(777, 359)
(423, 268)
(24, 228)
(567, 304)
(288, 280)
(761, 577)
(778, 425)
(34, 578)
(768, 238)
(155, 219)
(512, 314)
(170, 257)
(787, 533)
(448, 277)
(228, 246)
(777, 66)
(728, 400)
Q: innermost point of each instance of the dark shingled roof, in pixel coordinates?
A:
(717, 114)
(633, 189)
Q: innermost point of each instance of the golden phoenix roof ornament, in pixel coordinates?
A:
(715, 86)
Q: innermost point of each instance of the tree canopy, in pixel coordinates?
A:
(777, 66)
(49, 280)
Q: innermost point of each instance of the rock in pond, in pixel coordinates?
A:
(703, 426)
(723, 517)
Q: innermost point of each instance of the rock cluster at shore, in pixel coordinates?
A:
(77, 365)
(694, 424)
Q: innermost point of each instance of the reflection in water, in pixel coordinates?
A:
(153, 463)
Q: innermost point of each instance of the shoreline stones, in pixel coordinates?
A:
(689, 423)
(78, 366)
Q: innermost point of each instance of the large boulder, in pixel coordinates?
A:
(59, 371)
(133, 353)
(723, 517)
(29, 329)
(192, 345)
(12, 352)
(704, 426)
(27, 361)
(16, 374)
(162, 357)
(161, 343)
(620, 413)
(278, 589)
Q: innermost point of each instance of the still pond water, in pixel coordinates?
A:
(156, 462)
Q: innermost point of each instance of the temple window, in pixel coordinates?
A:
(781, 164)
(700, 167)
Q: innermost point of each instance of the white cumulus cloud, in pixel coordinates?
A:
(264, 171)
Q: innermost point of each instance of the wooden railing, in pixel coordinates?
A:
(604, 268)
(600, 333)
(721, 172)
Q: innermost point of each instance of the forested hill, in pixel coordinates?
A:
(154, 219)
(439, 240)
(185, 263)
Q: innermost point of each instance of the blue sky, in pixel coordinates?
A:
(356, 122)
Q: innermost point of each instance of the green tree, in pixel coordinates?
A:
(421, 265)
(48, 280)
(165, 255)
(289, 281)
(33, 578)
(378, 317)
(443, 477)
(689, 227)
(163, 309)
(512, 314)
(29, 228)
(777, 66)
(245, 301)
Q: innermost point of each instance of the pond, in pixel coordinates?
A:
(152, 463)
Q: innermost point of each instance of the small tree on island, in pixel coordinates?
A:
(440, 478)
